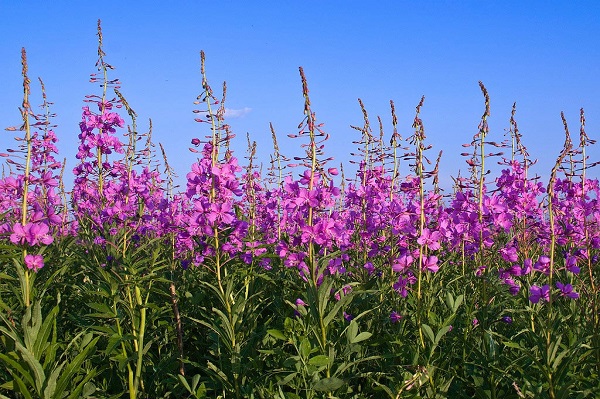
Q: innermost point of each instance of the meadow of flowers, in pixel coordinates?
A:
(295, 281)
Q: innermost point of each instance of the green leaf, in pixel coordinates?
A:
(324, 293)
(352, 331)
(77, 392)
(51, 382)
(449, 300)
(88, 389)
(103, 311)
(555, 346)
(14, 366)
(87, 338)
(441, 333)
(328, 384)
(34, 365)
(319, 360)
(277, 334)
(184, 382)
(4, 276)
(457, 302)
(361, 337)
(44, 333)
(115, 340)
(288, 378)
(22, 388)
(344, 300)
(428, 332)
(511, 344)
(342, 367)
(305, 348)
(195, 381)
(32, 322)
(74, 367)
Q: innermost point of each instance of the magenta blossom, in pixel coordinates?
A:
(567, 290)
(509, 254)
(431, 263)
(402, 263)
(369, 267)
(31, 233)
(34, 262)
(395, 317)
(571, 264)
(542, 265)
(527, 267)
(430, 238)
(538, 293)
(220, 213)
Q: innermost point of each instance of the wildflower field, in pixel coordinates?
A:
(292, 281)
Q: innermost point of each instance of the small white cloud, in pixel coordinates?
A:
(237, 113)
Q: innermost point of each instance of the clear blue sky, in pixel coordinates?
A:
(544, 55)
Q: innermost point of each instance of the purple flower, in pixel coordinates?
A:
(34, 262)
(335, 266)
(401, 286)
(220, 213)
(19, 235)
(402, 263)
(507, 319)
(527, 267)
(538, 293)
(430, 238)
(567, 290)
(515, 270)
(509, 254)
(265, 263)
(246, 257)
(514, 289)
(572, 265)
(430, 263)
(369, 267)
(395, 317)
(31, 233)
(348, 316)
(543, 264)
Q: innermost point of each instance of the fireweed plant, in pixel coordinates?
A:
(296, 281)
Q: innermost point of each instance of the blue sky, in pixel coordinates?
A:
(543, 55)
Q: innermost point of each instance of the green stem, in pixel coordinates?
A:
(130, 379)
(140, 340)
(25, 114)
